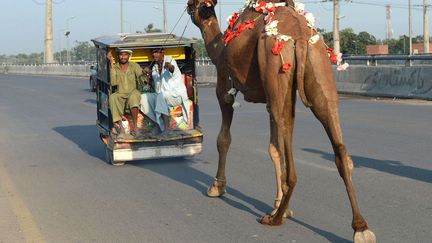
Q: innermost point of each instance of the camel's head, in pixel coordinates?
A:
(200, 10)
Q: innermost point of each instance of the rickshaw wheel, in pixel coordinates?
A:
(110, 158)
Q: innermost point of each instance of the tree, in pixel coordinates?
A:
(351, 43)
(200, 50)
(151, 29)
(84, 51)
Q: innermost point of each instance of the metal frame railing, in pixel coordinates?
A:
(395, 60)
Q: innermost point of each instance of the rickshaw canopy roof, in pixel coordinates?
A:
(140, 40)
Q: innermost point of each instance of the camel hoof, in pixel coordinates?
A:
(366, 236)
(270, 220)
(217, 189)
(287, 214)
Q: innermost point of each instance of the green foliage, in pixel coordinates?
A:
(83, 51)
(355, 44)
(398, 46)
(151, 29)
(200, 50)
(350, 42)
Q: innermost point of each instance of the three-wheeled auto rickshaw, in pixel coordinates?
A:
(184, 138)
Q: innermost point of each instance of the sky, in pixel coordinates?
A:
(23, 21)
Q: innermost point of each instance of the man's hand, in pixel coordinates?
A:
(109, 56)
(169, 66)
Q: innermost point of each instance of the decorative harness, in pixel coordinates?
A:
(268, 9)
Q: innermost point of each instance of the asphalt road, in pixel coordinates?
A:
(56, 187)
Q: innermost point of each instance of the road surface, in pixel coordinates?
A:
(56, 187)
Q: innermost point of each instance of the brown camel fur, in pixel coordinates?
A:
(248, 65)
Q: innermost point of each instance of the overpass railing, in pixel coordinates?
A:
(392, 60)
(368, 60)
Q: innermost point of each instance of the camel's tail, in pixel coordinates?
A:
(301, 56)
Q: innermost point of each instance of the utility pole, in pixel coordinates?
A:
(426, 26)
(165, 23)
(121, 16)
(410, 27)
(389, 28)
(336, 12)
(48, 51)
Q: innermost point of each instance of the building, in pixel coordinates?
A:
(418, 48)
(377, 49)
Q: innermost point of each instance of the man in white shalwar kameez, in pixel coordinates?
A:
(170, 91)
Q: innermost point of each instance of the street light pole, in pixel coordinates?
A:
(220, 13)
(67, 33)
(165, 23)
(121, 16)
(60, 44)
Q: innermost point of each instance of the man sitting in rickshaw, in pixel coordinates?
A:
(125, 76)
(169, 88)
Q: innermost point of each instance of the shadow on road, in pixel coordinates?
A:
(181, 170)
(86, 137)
(387, 166)
(328, 235)
(91, 101)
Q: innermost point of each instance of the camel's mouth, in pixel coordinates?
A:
(205, 9)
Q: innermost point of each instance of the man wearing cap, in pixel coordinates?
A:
(124, 75)
(169, 87)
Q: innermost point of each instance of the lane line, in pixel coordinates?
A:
(25, 218)
(304, 162)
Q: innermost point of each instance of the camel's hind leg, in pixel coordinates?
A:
(280, 150)
(281, 107)
(321, 92)
(276, 159)
(223, 141)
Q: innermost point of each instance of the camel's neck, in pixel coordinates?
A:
(212, 36)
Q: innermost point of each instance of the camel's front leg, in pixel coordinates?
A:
(223, 143)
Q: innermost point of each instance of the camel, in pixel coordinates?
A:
(268, 63)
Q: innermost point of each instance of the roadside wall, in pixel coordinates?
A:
(385, 81)
(389, 81)
(63, 70)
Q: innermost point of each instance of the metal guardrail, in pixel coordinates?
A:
(368, 60)
(204, 61)
(395, 60)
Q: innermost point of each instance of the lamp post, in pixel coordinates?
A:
(130, 25)
(121, 16)
(60, 44)
(67, 33)
(165, 22)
